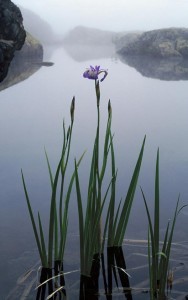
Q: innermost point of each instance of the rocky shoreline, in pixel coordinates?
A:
(25, 62)
(161, 43)
(149, 52)
(160, 54)
(12, 34)
(15, 42)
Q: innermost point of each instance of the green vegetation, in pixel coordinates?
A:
(97, 227)
(158, 258)
(58, 220)
(51, 256)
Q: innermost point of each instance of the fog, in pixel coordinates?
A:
(117, 15)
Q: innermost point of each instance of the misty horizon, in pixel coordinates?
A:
(118, 16)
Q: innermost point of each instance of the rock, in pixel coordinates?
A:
(32, 48)
(12, 34)
(161, 43)
(126, 38)
(163, 69)
(24, 63)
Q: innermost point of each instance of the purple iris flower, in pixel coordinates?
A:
(93, 73)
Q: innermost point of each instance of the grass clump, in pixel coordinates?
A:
(158, 257)
(52, 254)
(92, 232)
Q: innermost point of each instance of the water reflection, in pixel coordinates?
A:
(24, 64)
(164, 69)
(30, 120)
(87, 52)
(109, 276)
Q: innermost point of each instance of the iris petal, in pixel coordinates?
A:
(97, 68)
(85, 75)
(93, 73)
(105, 74)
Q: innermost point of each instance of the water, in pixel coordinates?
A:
(31, 115)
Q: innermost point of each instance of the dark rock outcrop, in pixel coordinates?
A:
(126, 39)
(12, 34)
(161, 43)
(25, 62)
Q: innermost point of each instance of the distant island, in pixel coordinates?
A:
(149, 52)
(84, 43)
(161, 43)
(97, 37)
(160, 54)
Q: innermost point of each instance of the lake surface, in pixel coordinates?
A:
(31, 116)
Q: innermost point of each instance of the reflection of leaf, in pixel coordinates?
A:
(62, 274)
(51, 295)
(161, 254)
(24, 277)
(27, 290)
(123, 270)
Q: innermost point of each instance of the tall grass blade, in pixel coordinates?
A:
(65, 158)
(150, 266)
(81, 219)
(94, 236)
(49, 168)
(159, 260)
(43, 246)
(113, 196)
(106, 148)
(56, 234)
(153, 250)
(124, 216)
(65, 214)
(163, 260)
(33, 222)
(115, 223)
(52, 216)
(168, 249)
(107, 218)
(156, 211)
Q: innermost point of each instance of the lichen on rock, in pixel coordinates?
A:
(161, 43)
(12, 34)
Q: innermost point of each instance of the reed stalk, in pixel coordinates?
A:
(117, 222)
(90, 225)
(158, 258)
(52, 254)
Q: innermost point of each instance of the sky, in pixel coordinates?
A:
(117, 15)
